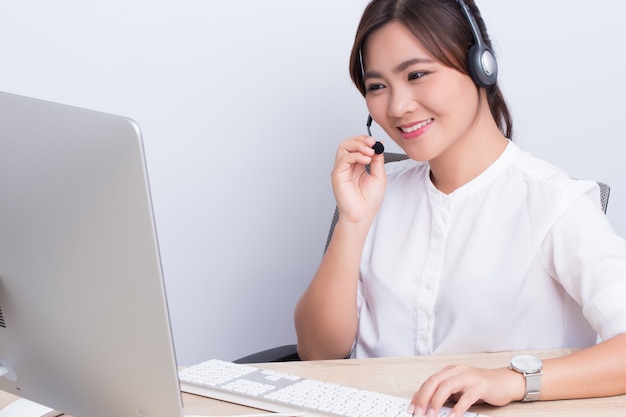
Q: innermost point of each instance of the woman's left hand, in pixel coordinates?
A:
(465, 386)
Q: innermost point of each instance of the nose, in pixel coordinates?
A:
(401, 102)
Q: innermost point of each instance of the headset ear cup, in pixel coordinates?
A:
(482, 66)
(472, 58)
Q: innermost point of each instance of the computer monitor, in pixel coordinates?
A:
(84, 325)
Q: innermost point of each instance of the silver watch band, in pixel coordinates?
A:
(533, 386)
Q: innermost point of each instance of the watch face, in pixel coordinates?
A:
(527, 363)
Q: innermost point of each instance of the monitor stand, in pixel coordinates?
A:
(26, 408)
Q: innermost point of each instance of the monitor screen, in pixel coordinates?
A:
(84, 326)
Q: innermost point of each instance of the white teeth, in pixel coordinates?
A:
(417, 126)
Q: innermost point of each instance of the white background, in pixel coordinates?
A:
(242, 104)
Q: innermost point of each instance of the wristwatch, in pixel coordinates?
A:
(531, 367)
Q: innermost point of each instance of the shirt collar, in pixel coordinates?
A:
(511, 152)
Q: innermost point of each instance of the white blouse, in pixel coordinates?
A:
(522, 257)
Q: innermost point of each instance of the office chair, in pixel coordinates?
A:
(289, 352)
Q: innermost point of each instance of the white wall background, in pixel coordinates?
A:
(242, 104)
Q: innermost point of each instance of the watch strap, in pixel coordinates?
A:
(533, 386)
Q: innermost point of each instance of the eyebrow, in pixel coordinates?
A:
(399, 68)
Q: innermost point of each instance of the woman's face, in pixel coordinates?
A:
(424, 106)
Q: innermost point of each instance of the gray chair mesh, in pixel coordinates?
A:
(605, 191)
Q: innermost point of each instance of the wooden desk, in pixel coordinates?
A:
(402, 376)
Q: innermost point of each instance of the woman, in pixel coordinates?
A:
(470, 245)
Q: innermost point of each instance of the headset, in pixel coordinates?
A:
(481, 62)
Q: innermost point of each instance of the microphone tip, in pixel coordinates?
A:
(378, 148)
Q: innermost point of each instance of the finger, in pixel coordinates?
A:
(444, 391)
(361, 144)
(463, 388)
(378, 148)
(435, 391)
(377, 166)
(348, 160)
(420, 402)
(463, 404)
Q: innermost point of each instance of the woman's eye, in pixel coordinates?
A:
(416, 75)
(374, 87)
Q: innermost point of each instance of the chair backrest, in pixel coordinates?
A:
(605, 191)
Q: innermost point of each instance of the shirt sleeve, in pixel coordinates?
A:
(583, 253)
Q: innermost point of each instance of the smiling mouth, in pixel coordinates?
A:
(415, 127)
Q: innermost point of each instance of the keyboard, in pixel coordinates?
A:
(283, 393)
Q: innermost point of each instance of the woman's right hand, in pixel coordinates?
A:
(358, 194)
(326, 315)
